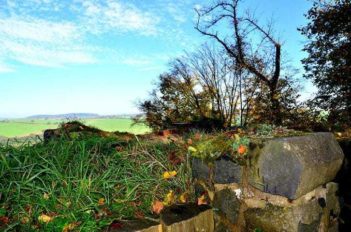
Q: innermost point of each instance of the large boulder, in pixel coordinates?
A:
(294, 166)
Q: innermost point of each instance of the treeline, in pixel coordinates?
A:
(241, 78)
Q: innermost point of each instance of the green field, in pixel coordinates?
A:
(27, 127)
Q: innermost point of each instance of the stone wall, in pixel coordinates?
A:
(176, 218)
(344, 180)
(285, 185)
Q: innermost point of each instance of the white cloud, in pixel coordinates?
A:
(112, 15)
(41, 55)
(38, 30)
(56, 33)
(177, 13)
(42, 43)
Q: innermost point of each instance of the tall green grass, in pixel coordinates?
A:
(65, 179)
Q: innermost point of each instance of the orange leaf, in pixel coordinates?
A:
(190, 141)
(101, 201)
(202, 200)
(157, 207)
(242, 149)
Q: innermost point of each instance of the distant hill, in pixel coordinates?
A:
(78, 116)
(64, 116)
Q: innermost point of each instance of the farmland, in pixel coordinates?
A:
(28, 127)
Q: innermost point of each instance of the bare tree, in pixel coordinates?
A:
(203, 85)
(261, 59)
(215, 74)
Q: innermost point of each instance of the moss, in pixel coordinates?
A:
(211, 148)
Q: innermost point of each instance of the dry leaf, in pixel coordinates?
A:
(242, 149)
(169, 199)
(168, 175)
(183, 198)
(45, 218)
(46, 196)
(202, 200)
(174, 159)
(25, 220)
(70, 226)
(190, 141)
(139, 215)
(197, 136)
(101, 201)
(192, 149)
(157, 207)
(4, 220)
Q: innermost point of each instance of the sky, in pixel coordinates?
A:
(103, 56)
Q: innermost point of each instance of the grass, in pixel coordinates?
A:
(86, 183)
(23, 127)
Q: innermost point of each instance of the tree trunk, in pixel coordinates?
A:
(276, 116)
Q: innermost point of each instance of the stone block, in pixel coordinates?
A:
(223, 170)
(294, 166)
(315, 211)
(136, 226)
(190, 217)
(227, 204)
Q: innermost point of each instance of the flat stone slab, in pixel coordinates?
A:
(189, 217)
(294, 166)
(135, 225)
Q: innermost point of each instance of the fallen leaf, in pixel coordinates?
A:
(139, 215)
(168, 175)
(192, 149)
(4, 220)
(119, 148)
(46, 196)
(237, 137)
(166, 133)
(70, 226)
(190, 141)
(202, 200)
(28, 209)
(101, 201)
(183, 198)
(169, 199)
(157, 207)
(135, 203)
(174, 159)
(197, 136)
(25, 220)
(45, 218)
(242, 149)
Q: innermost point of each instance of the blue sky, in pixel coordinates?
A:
(102, 56)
